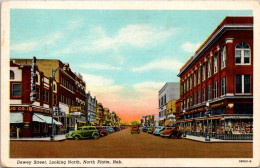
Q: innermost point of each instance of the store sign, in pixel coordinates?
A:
(201, 109)
(217, 104)
(28, 108)
(75, 108)
(238, 117)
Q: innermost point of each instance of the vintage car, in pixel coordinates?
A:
(122, 127)
(102, 131)
(144, 129)
(116, 128)
(108, 129)
(151, 129)
(135, 129)
(158, 130)
(83, 132)
(172, 132)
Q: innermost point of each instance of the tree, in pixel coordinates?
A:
(124, 124)
(135, 122)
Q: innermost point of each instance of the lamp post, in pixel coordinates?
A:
(184, 133)
(52, 78)
(207, 138)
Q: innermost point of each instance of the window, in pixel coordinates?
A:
(188, 102)
(191, 101)
(209, 92)
(243, 84)
(188, 86)
(198, 75)
(36, 78)
(54, 87)
(44, 95)
(198, 96)
(223, 57)
(194, 96)
(203, 94)
(38, 93)
(164, 99)
(223, 86)
(203, 72)
(47, 96)
(55, 99)
(16, 90)
(242, 53)
(194, 79)
(215, 90)
(209, 67)
(191, 82)
(11, 74)
(215, 63)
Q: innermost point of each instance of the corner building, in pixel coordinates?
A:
(220, 75)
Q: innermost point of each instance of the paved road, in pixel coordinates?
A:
(123, 144)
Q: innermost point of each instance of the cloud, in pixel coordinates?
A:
(190, 47)
(132, 35)
(52, 38)
(166, 64)
(99, 66)
(25, 46)
(148, 85)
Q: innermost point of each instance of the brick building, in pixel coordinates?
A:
(220, 75)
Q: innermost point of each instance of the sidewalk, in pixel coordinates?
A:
(202, 139)
(56, 138)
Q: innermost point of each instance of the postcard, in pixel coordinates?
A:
(129, 83)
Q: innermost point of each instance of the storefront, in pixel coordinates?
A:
(31, 121)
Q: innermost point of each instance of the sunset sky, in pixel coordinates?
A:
(125, 56)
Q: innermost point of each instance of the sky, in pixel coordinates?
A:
(124, 56)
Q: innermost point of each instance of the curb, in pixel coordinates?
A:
(235, 141)
(38, 140)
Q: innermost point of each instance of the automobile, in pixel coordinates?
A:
(140, 128)
(144, 129)
(83, 132)
(102, 131)
(158, 130)
(116, 128)
(135, 129)
(172, 132)
(108, 129)
(122, 127)
(150, 129)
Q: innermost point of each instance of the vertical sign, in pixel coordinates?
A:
(33, 76)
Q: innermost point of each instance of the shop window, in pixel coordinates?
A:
(223, 86)
(242, 54)
(38, 93)
(209, 67)
(11, 74)
(216, 63)
(223, 57)
(215, 90)
(243, 84)
(16, 90)
(209, 92)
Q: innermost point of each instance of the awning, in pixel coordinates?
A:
(45, 119)
(16, 117)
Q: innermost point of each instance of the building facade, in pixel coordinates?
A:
(91, 106)
(69, 95)
(218, 79)
(170, 91)
(30, 101)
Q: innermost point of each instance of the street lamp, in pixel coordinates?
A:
(207, 138)
(52, 79)
(184, 133)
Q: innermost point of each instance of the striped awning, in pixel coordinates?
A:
(16, 117)
(45, 119)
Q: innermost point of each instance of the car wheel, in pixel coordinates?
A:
(95, 136)
(171, 136)
(76, 137)
(179, 136)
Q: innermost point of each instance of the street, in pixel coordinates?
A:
(123, 144)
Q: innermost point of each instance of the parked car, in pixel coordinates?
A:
(172, 132)
(153, 129)
(108, 129)
(144, 129)
(102, 131)
(116, 128)
(158, 130)
(83, 132)
(135, 129)
(150, 129)
(122, 127)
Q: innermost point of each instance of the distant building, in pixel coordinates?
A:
(91, 106)
(170, 91)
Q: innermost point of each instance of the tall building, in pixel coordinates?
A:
(170, 91)
(91, 107)
(69, 91)
(219, 77)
